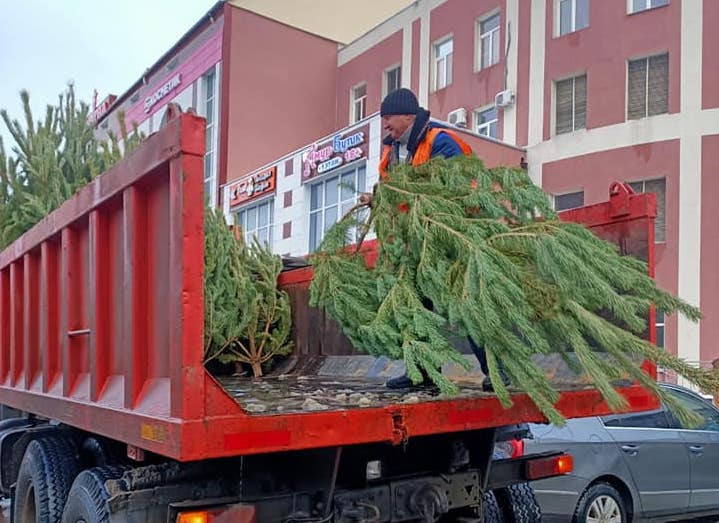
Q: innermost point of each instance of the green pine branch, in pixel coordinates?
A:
(465, 250)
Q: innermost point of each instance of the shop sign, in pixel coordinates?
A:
(162, 92)
(253, 186)
(332, 154)
(101, 109)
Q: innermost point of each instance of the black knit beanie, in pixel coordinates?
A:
(399, 101)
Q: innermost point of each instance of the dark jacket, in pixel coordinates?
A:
(443, 145)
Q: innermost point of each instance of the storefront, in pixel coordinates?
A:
(291, 203)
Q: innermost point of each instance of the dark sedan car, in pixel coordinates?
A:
(642, 466)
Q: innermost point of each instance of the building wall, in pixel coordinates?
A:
(471, 88)
(200, 53)
(280, 90)
(710, 56)
(604, 59)
(369, 68)
(522, 87)
(709, 249)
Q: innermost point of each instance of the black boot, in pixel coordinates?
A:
(405, 382)
(481, 355)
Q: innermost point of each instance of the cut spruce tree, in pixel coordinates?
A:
(247, 317)
(466, 250)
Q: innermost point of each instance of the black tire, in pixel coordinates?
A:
(87, 500)
(490, 508)
(48, 467)
(597, 496)
(519, 504)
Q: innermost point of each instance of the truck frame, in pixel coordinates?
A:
(115, 417)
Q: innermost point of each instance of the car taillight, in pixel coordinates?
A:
(549, 467)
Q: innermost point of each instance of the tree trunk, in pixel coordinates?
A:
(256, 369)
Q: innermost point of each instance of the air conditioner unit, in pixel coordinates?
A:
(458, 117)
(504, 98)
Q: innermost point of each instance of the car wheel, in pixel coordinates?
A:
(601, 503)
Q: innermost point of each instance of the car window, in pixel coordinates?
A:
(708, 413)
(653, 419)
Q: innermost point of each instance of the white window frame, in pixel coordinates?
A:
(358, 102)
(250, 233)
(385, 78)
(342, 204)
(553, 116)
(643, 189)
(573, 18)
(487, 125)
(491, 35)
(647, 6)
(210, 159)
(445, 62)
(646, 86)
(567, 193)
(660, 323)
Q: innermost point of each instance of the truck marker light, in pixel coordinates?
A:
(193, 517)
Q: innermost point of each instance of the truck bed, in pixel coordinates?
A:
(101, 328)
(338, 383)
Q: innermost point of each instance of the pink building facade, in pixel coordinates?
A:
(582, 92)
(593, 92)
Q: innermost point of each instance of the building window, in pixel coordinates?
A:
(658, 187)
(210, 135)
(659, 327)
(648, 86)
(359, 103)
(257, 220)
(571, 104)
(642, 5)
(487, 122)
(443, 64)
(392, 79)
(488, 41)
(330, 199)
(570, 200)
(572, 15)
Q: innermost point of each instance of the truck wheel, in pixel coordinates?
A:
(48, 467)
(87, 500)
(519, 504)
(490, 509)
(601, 502)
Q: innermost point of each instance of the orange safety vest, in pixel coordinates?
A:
(424, 149)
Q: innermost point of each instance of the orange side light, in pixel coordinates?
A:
(565, 464)
(549, 467)
(194, 517)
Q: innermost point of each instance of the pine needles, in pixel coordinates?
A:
(473, 251)
(247, 319)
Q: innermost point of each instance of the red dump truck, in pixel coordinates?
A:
(115, 417)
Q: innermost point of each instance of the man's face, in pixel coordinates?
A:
(396, 124)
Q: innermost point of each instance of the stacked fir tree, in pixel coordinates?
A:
(247, 318)
(473, 251)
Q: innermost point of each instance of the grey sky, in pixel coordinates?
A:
(98, 44)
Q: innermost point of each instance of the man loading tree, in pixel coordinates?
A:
(413, 139)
